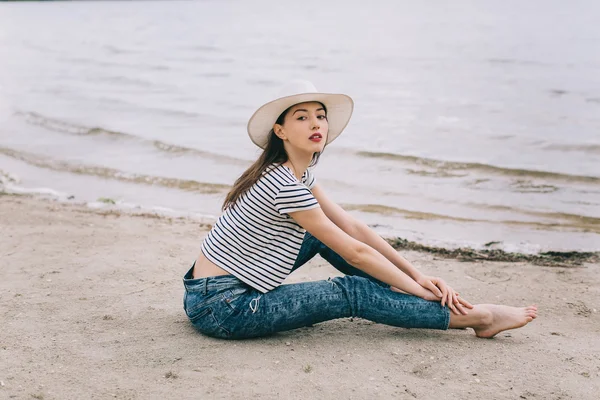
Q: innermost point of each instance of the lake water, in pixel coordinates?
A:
(475, 121)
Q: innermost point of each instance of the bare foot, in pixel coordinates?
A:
(504, 318)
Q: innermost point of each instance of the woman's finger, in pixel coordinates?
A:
(444, 294)
(448, 290)
(456, 310)
(450, 300)
(464, 302)
(449, 296)
(433, 289)
(453, 309)
(461, 309)
(443, 288)
(455, 297)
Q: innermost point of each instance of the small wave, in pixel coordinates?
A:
(34, 45)
(525, 186)
(577, 219)
(583, 148)
(67, 127)
(117, 207)
(516, 62)
(126, 81)
(457, 167)
(502, 137)
(14, 189)
(171, 148)
(118, 50)
(558, 92)
(8, 178)
(56, 125)
(213, 74)
(110, 173)
(263, 82)
(10, 183)
(561, 220)
(437, 173)
(204, 48)
(388, 210)
(583, 203)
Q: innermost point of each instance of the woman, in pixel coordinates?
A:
(277, 217)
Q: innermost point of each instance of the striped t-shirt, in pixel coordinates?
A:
(255, 239)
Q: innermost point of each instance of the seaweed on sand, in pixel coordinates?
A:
(549, 258)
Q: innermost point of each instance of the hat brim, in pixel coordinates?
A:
(339, 110)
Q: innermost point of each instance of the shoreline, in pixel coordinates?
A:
(103, 206)
(512, 228)
(91, 304)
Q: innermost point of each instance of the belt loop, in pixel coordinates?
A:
(205, 286)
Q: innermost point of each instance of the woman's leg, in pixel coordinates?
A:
(227, 308)
(297, 305)
(311, 246)
(486, 319)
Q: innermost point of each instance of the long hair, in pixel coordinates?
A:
(274, 153)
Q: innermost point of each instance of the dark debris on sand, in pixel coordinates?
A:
(549, 258)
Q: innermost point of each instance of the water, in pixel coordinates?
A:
(475, 121)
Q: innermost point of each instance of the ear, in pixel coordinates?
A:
(278, 129)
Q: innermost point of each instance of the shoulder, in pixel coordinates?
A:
(278, 174)
(294, 196)
(272, 180)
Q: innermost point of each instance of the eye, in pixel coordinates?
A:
(301, 118)
(322, 117)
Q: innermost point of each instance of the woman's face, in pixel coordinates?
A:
(305, 127)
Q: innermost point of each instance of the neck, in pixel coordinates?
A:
(298, 162)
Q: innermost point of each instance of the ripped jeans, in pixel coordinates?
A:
(225, 307)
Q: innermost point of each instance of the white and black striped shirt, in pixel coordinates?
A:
(256, 240)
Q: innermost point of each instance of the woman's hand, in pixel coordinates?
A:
(459, 307)
(445, 294)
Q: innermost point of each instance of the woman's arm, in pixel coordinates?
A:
(360, 231)
(358, 254)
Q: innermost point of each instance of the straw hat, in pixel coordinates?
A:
(339, 109)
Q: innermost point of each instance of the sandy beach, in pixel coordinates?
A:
(91, 308)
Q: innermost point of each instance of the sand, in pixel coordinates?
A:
(91, 308)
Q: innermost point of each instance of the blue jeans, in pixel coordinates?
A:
(225, 307)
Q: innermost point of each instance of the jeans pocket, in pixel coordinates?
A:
(211, 315)
(199, 314)
(195, 303)
(206, 323)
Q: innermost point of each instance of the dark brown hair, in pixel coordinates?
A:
(274, 153)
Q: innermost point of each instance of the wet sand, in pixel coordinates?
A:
(91, 307)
